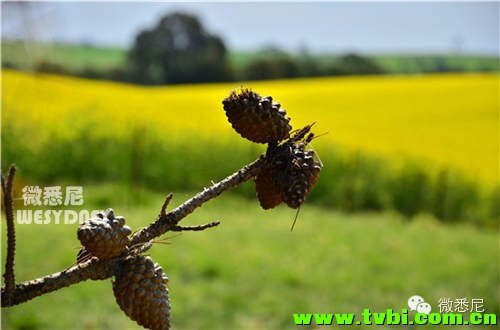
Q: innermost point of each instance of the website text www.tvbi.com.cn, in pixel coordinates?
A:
(389, 317)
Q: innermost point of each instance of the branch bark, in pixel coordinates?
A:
(94, 269)
(99, 270)
(10, 279)
(167, 222)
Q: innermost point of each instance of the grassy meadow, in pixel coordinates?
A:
(251, 272)
(27, 56)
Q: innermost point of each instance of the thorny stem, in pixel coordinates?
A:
(96, 269)
(10, 279)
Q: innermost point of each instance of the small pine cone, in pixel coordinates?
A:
(257, 118)
(271, 178)
(268, 192)
(140, 289)
(105, 236)
(302, 175)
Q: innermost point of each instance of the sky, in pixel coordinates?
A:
(365, 27)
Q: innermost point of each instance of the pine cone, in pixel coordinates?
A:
(302, 174)
(141, 291)
(271, 178)
(104, 237)
(268, 192)
(257, 118)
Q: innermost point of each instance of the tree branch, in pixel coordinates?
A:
(10, 279)
(96, 269)
(197, 228)
(167, 222)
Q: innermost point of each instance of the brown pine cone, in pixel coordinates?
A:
(268, 192)
(290, 172)
(140, 289)
(257, 118)
(302, 174)
(105, 236)
(271, 178)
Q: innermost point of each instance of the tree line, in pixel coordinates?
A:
(178, 49)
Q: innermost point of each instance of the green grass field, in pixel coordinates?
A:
(390, 63)
(251, 272)
(429, 63)
(80, 57)
(71, 57)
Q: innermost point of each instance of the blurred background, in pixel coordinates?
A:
(125, 100)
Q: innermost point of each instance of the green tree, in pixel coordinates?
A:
(354, 64)
(271, 63)
(177, 50)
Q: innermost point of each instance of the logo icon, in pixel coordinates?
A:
(417, 303)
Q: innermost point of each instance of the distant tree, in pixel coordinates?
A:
(271, 68)
(308, 65)
(271, 63)
(44, 66)
(356, 64)
(177, 50)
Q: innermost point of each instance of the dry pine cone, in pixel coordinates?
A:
(268, 181)
(257, 118)
(302, 175)
(105, 236)
(141, 291)
(268, 192)
(289, 175)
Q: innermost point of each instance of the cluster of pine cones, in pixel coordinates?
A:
(291, 170)
(140, 286)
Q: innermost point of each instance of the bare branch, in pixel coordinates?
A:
(197, 228)
(96, 269)
(140, 248)
(10, 279)
(163, 211)
(170, 220)
(83, 255)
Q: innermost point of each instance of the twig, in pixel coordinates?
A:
(96, 269)
(163, 211)
(170, 220)
(10, 279)
(140, 248)
(197, 228)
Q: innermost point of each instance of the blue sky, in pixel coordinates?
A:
(366, 27)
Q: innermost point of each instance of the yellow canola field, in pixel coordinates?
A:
(446, 120)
